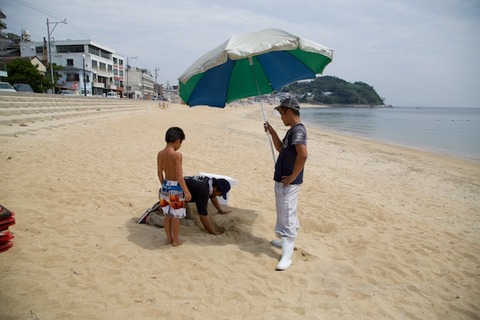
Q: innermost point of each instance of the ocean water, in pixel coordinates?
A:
(452, 131)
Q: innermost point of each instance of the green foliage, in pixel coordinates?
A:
(13, 36)
(333, 90)
(22, 71)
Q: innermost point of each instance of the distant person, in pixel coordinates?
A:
(202, 189)
(288, 177)
(174, 191)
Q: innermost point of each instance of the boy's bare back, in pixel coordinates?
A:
(169, 164)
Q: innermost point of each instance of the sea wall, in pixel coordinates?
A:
(21, 113)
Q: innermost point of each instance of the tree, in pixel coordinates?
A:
(22, 71)
(56, 75)
(13, 36)
(333, 90)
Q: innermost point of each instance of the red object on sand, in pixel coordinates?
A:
(5, 246)
(5, 223)
(7, 219)
(5, 236)
(5, 213)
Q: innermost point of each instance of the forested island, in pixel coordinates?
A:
(336, 92)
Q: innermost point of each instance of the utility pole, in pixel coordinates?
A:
(49, 46)
(84, 78)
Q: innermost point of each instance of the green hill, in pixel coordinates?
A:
(335, 91)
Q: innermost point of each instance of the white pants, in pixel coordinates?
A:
(286, 203)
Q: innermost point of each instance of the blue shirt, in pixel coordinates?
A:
(288, 153)
(200, 188)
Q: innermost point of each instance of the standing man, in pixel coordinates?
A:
(288, 177)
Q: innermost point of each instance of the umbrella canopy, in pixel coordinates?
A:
(251, 64)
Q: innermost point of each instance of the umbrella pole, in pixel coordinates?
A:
(250, 60)
(268, 134)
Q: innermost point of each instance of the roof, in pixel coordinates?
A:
(76, 42)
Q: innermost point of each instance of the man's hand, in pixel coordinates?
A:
(267, 127)
(286, 180)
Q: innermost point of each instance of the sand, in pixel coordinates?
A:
(387, 232)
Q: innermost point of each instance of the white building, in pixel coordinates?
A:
(140, 84)
(86, 64)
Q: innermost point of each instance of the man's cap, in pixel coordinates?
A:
(291, 103)
(224, 186)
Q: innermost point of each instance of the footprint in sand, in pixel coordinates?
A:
(305, 256)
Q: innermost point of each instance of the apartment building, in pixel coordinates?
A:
(118, 74)
(140, 84)
(86, 65)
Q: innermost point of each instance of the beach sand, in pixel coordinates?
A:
(387, 232)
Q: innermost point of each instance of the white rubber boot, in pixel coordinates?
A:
(288, 244)
(277, 243)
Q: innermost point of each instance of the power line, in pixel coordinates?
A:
(74, 27)
(53, 15)
(31, 6)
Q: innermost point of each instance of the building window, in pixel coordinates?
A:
(73, 77)
(99, 52)
(94, 64)
(94, 50)
(110, 68)
(106, 54)
(69, 62)
(103, 66)
(71, 48)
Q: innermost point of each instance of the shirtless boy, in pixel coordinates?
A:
(173, 192)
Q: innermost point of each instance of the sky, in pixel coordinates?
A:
(412, 52)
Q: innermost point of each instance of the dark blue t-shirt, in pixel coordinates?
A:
(199, 189)
(286, 158)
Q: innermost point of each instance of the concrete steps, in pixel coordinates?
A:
(22, 113)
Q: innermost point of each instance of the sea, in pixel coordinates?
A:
(453, 131)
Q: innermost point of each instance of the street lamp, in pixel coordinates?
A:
(84, 78)
(49, 48)
(127, 72)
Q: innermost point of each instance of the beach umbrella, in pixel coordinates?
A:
(251, 64)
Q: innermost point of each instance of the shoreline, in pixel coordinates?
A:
(385, 231)
(441, 150)
(427, 152)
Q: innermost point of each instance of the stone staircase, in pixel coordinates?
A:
(21, 113)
